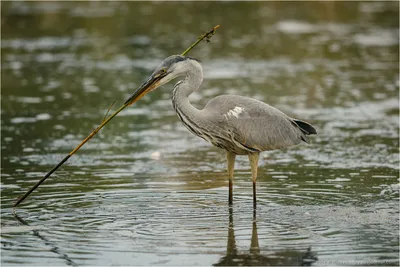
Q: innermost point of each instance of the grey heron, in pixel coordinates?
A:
(237, 124)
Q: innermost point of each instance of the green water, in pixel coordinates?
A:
(145, 191)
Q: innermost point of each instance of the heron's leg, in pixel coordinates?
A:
(253, 158)
(231, 164)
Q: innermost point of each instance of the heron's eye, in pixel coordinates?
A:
(162, 71)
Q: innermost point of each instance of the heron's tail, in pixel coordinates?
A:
(306, 128)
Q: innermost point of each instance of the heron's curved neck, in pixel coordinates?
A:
(185, 87)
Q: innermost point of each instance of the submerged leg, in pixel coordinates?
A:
(253, 158)
(254, 247)
(231, 164)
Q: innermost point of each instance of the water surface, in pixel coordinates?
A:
(145, 191)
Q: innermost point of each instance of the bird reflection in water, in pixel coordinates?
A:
(254, 256)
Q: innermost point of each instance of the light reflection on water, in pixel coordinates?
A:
(191, 227)
(146, 192)
(183, 219)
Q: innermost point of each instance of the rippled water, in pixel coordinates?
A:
(144, 191)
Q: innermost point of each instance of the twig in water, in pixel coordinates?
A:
(206, 36)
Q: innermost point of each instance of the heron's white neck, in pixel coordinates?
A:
(185, 87)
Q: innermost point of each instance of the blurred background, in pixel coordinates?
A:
(145, 191)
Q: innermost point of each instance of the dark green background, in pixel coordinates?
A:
(145, 191)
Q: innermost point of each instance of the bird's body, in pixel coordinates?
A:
(248, 125)
(237, 124)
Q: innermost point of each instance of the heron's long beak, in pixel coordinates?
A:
(152, 83)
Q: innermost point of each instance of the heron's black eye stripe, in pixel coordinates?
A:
(193, 59)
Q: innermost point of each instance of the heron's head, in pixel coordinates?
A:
(168, 70)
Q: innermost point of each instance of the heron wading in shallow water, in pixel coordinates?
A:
(240, 125)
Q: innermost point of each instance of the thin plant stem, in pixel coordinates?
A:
(206, 36)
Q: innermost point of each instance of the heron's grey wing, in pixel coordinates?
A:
(254, 124)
